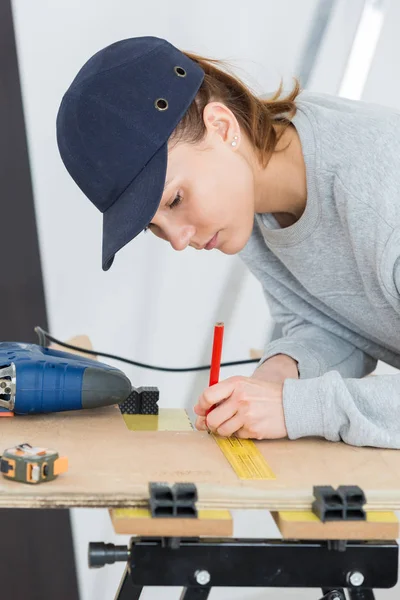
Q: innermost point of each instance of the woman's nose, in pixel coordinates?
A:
(180, 238)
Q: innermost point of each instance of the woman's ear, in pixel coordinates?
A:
(219, 120)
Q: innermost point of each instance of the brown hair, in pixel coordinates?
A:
(256, 116)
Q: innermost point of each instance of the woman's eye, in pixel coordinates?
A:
(177, 200)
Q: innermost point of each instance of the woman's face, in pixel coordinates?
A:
(208, 201)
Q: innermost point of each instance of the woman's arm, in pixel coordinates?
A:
(313, 344)
(361, 412)
(277, 368)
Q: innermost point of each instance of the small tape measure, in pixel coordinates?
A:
(245, 458)
(29, 464)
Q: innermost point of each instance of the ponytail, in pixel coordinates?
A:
(256, 116)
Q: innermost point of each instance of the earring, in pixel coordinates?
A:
(234, 143)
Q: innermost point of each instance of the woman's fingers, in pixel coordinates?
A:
(201, 424)
(231, 426)
(226, 429)
(222, 413)
(243, 433)
(215, 394)
(214, 419)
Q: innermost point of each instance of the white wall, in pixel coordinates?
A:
(383, 83)
(154, 305)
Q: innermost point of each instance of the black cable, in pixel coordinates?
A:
(43, 335)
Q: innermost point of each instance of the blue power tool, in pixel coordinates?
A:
(35, 379)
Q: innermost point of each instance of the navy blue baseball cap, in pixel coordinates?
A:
(113, 127)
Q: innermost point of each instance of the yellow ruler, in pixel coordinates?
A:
(243, 455)
(245, 458)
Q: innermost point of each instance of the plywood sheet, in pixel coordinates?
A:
(168, 419)
(112, 466)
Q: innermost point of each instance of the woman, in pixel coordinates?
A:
(305, 188)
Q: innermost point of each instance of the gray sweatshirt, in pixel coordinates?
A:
(332, 280)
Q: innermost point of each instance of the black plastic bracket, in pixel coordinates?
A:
(343, 504)
(141, 401)
(178, 500)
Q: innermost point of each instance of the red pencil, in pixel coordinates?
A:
(216, 358)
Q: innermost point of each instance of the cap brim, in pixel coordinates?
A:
(135, 208)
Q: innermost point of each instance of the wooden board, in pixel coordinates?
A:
(80, 341)
(168, 419)
(138, 521)
(111, 466)
(304, 525)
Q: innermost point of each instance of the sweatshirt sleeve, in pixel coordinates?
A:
(360, 412)
(315, 349)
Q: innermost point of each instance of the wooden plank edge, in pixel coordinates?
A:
(306, 526)
(210, 523)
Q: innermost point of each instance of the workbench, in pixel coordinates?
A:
(112, 466)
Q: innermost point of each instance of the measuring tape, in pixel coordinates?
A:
(244, 457)
(30, 464)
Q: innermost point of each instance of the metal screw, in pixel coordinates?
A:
(356, 578)
(202, 577)
(8, 390)
(3, 384)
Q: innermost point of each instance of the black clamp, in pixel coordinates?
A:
(343, 504)
(141, 401)
(178, 500)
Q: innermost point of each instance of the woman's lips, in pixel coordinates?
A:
(212, 243)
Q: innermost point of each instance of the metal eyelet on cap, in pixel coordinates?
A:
(180, 71)
(161, 104)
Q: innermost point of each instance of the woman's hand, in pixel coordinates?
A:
(277, 368)
(247, 407)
